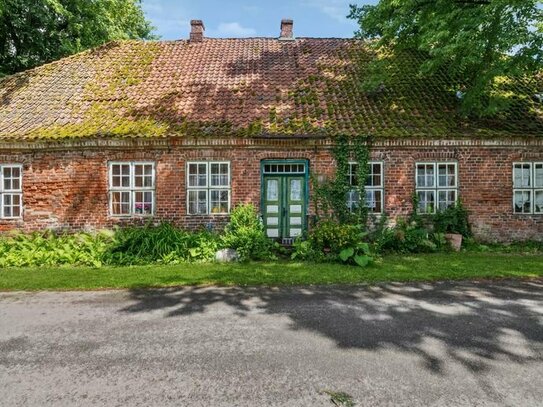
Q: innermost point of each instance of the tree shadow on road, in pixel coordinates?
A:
(474, 323)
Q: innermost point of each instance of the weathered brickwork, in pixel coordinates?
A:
(68, 188)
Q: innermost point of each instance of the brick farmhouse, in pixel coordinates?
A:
(181, 131)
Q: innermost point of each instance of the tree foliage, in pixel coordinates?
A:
(33, 32)
(476, 41)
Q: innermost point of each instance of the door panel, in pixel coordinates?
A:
(272, 206)
(284, 205)
(294, 207)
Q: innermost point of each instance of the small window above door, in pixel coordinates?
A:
(292, 168)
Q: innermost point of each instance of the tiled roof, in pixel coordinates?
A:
(244, 87)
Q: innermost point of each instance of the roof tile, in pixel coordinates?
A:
(244, 87)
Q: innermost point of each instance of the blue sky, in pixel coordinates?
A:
(246, 18)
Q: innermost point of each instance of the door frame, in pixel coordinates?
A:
(306, 184)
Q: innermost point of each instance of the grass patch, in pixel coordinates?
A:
(421, 267)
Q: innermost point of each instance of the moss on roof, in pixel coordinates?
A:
(244, 88)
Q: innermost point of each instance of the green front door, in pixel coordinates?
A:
(284, 206)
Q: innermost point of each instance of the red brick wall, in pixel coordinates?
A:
(68, 189)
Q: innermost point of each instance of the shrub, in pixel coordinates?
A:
(304, 250)
(330, 236)
(336, 242)
(408, 237)
(245, 233)
(50, 249)
(454, 219)
(163, 244)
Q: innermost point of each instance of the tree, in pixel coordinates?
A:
(33, 32)
(479, 42)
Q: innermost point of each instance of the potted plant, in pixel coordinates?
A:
(453, 223)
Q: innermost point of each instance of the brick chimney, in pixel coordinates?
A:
(286, 30)
(197, 30)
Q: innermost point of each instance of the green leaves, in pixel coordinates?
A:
(36, 31)
(362, 260)
(48, 249)
(475, 43)
(359, 254)
(345, 254)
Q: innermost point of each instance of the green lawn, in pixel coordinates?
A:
(427, 267)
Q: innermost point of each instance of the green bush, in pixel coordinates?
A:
(454, 219)
(332, 237)
(304, 250)
(50, 249)
(245, 233)
(160, 244)
(408, 237)
(333, 241)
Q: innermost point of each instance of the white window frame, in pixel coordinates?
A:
(379, 188)
(436, 188)
(18, 191)
(208, 187)
(131, 189)
(533, 189)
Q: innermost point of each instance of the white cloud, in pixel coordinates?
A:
(336, 9)
(232, 30)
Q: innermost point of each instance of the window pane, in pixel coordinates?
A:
(120, 177)
(353, 200)
(522, 201)
(219, 175)
(353, 174)
(272, 190)
(538, 201)
(120, 203)
(378, 201)
(197, 202)
(538, 176)
(143, 176)
(7, 206)
(16, 208)
(425, 175)
(202, 175)
(12, 178)
(426, 201)
(193, 175)
(446, 175)
(446, 199)
(197, 175)
(522, 175)
(219, 201)
(374, 200)
(143, 202)
(12, 205)
(295, 190)
(374, 175)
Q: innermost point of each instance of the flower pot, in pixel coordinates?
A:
(455, 240)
